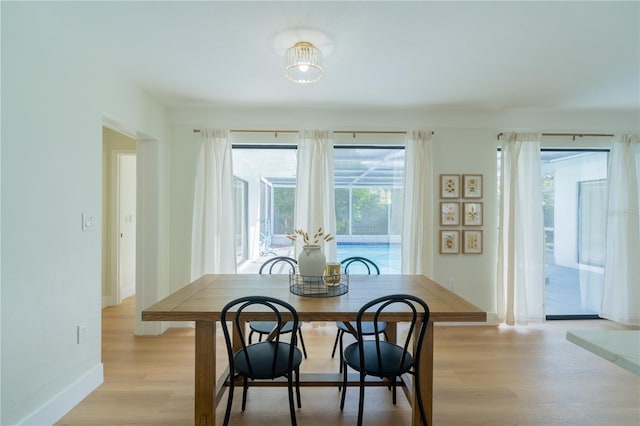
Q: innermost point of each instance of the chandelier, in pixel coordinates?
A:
(303, 63)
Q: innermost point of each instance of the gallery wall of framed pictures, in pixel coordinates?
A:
(461, 213)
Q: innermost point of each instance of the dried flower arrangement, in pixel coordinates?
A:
(299, 235)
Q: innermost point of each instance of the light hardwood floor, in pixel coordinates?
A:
(483, 376)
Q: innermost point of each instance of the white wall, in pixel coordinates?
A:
(55, 97)
(464, 142)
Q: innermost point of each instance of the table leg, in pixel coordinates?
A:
(205, 374)
(392, 332)
(425, 378)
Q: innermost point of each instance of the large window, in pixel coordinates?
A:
(368, 198)
(368, 191)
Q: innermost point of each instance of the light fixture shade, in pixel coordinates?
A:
(303, 63)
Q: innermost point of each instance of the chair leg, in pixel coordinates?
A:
(393, 384)
(344, 385)
(251, 336)
(227, 412)
(335, 344)
(245, 387)
(304, 349)
(341, 350)
(298, 387)
(361, 400)
(292, 409)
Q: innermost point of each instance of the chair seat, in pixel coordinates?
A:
(262, 355)
(265, 327)
(367, 327)
(390, 355)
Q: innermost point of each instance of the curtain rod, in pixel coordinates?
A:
(353, 132)
(573, 135)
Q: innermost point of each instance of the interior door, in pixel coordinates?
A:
(126, 225)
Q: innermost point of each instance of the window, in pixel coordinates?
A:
(368, 198)
(269, 174)
(368, 191)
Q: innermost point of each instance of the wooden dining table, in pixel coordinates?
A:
(203, 300)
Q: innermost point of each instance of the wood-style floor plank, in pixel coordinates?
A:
(482, 376)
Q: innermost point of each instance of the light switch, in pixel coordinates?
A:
(88, 222)
(81, 331)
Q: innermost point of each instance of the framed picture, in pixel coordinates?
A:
(449, 213)
(449, 186)
(472, 214)
(472, 186)
(471, 242)
(449, 242)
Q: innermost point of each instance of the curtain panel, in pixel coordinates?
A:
(315, 199)
(417, 224)
(212, 238)
(520, 293)
(621, 295)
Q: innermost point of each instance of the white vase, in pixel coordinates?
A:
(311, 261)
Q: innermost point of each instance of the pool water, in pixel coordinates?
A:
(386, 256)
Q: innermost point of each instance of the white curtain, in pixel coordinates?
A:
(212, 237)
(621, 297)
(417, 223)
(315, 199)
(521, 233)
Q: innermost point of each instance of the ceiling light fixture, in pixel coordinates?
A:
(303, 63)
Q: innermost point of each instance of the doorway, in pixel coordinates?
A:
(119, 217)
(126, 214)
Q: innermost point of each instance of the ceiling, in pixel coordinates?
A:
(428, 54)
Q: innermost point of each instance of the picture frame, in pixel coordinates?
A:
(449, 213)
(449, 241)
(472, 186)
(472, 213)
(449, 186)
(471, 241)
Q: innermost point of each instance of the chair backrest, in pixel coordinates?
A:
(369, 264)
(418, 324)
(282, 260)
(275, 310)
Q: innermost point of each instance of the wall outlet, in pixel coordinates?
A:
(81, 331)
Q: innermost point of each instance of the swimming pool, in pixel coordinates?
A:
(386, 256)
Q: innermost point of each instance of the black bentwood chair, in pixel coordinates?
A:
(264, 327)
(387, 360)
(367, 328)
(263, 360)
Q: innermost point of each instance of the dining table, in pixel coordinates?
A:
(202, 301)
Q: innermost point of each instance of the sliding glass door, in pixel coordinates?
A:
(574, 194)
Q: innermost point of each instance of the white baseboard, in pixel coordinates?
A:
(54, 409)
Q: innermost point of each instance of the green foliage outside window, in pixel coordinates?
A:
(283, 209)
(342, 211)
(369, 211)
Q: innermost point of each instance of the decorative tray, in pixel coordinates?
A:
(325, 286)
